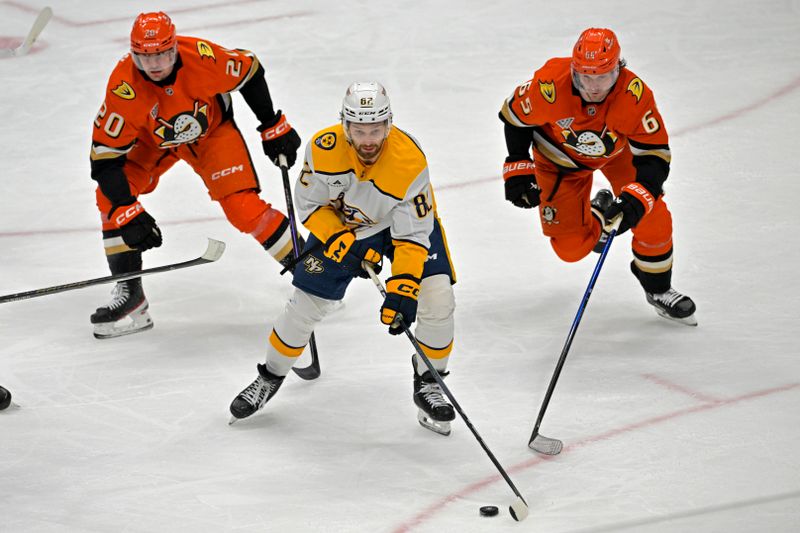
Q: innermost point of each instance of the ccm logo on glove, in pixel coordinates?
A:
(128, 214)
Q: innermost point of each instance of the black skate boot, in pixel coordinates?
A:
(601, 201)
(667, 302)
(674, 306)
(435, 413)
(256, 394)
(126, 313)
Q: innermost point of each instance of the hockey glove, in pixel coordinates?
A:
(520, 182)
(278, 137)
(401, 301)
(343, 248)
(634, 202)
(138, 229)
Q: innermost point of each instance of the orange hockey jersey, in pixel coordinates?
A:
(179, 110)
(577, 135)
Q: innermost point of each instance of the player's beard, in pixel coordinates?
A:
(370, 155)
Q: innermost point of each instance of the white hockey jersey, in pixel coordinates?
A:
(336, 191)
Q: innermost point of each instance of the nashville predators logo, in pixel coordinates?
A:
(184, 127)
(590, 143)
(124, 91)
(636, 88)
(313, 265)
(548, 90)
(326, 141)
(205, 50)
(353, 216)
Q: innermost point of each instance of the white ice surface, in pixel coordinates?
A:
(666, 428)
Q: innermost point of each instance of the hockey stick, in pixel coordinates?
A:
(518, 509)
(38, 25)
(539, 442)
(213, 252)
(313, 370)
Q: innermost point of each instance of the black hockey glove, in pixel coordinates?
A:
(401, 299)
(344, 249)
(278, 137)
(520, 182)
(138, 229)
(634, 202)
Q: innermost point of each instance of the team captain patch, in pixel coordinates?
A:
(326, 141)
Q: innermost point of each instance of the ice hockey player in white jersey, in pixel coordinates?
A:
(364, 194)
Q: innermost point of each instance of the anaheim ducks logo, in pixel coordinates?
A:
(548, 90)
(184, 127)
(636, 88)
(353, 216)
(549, 213)
(590, 143)
(124, 91)
(205, 50)
(326, 141)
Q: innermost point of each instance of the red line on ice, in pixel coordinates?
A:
(432, 510)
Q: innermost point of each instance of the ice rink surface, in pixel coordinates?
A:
(666, 428)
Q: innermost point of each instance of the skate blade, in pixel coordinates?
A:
(441, 428)
(127, 326)
(688, 321)
(232, 421)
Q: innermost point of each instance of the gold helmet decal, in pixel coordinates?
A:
(205, 50)
(636, 88)
(548, 90)
(124, 91)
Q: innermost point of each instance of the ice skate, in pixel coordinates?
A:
(599, 204)
(435, 412)
(674, 306)
(256, 394)
(125, 314)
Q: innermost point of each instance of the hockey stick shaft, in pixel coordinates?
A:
(374, 277)
(213, 252)
(41, 21)
(312, 371)
(573, 329)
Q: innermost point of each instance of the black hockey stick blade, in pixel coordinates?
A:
(312, 371)
(213, 252)
(545, 445)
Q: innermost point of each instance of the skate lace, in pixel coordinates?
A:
(257, 391)
(432, 394)
(669, 298)
(119, 296)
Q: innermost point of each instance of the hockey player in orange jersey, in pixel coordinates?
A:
(586, 113)
(169, 99)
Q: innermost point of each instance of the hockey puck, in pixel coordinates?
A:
(489, 510)
(5, 398)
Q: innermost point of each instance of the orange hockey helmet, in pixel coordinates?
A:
(152, 33)
(596, 52)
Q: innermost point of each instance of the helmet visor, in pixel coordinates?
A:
(155, 62)
(595, 87)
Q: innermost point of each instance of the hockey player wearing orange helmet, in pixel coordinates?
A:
(168, 100)
(584, 113)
